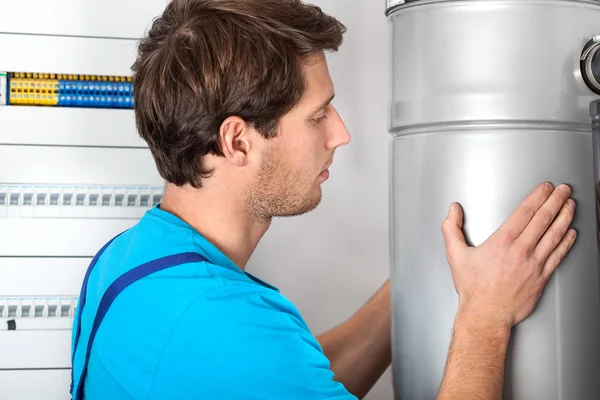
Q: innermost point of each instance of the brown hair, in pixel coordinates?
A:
(206, 60)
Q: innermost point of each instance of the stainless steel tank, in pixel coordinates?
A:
(595, 115)
(489, 99)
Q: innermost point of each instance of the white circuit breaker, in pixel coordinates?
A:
(73, 171)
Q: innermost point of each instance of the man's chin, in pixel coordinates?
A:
(307, 206)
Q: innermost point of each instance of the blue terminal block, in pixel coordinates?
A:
(97, 94)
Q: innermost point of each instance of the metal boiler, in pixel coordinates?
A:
(490, 98)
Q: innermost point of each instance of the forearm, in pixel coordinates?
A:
(360, 349)
(475, 366)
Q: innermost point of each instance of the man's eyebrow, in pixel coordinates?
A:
(324, 104)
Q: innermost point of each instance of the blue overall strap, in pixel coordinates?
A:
(121, 284)
(83, 294)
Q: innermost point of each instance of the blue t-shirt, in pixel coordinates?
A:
(202, 330)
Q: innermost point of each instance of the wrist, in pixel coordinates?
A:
(483, 325)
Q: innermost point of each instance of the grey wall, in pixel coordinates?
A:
(329, 262)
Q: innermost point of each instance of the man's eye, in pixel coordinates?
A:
(320, 119)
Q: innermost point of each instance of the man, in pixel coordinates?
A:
(234, 100)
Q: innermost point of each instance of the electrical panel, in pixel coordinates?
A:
(73, 171)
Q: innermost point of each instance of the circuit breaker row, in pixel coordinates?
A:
(37, 314)
(117, 196)
(30, 201)
(40, 307)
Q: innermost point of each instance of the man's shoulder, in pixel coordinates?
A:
(174, 325)
(149, 239)
(236, 328)
(201, 304)
(243, 301)
(241, 341)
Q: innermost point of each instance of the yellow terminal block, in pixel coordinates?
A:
(40, 92)
(28, 91)
(51, 92)
(17, 91)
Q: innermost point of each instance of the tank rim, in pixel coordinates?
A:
(395, 5)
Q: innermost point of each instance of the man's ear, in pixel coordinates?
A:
(235, 136)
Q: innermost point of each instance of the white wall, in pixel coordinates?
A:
(329, 262)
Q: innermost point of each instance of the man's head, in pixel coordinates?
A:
(236, 94)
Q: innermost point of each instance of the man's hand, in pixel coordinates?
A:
(502, 280)
(499, 284)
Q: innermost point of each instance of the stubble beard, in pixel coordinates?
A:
(278, 191)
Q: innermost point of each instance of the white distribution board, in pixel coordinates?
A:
(71, 178)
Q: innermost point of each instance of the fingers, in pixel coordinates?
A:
(559, 253)
(525, 212)
(544, 216)
(555, 234)
(451, 229)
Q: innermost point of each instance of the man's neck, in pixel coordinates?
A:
(221, 218)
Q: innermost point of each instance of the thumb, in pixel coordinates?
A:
(451, 229)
